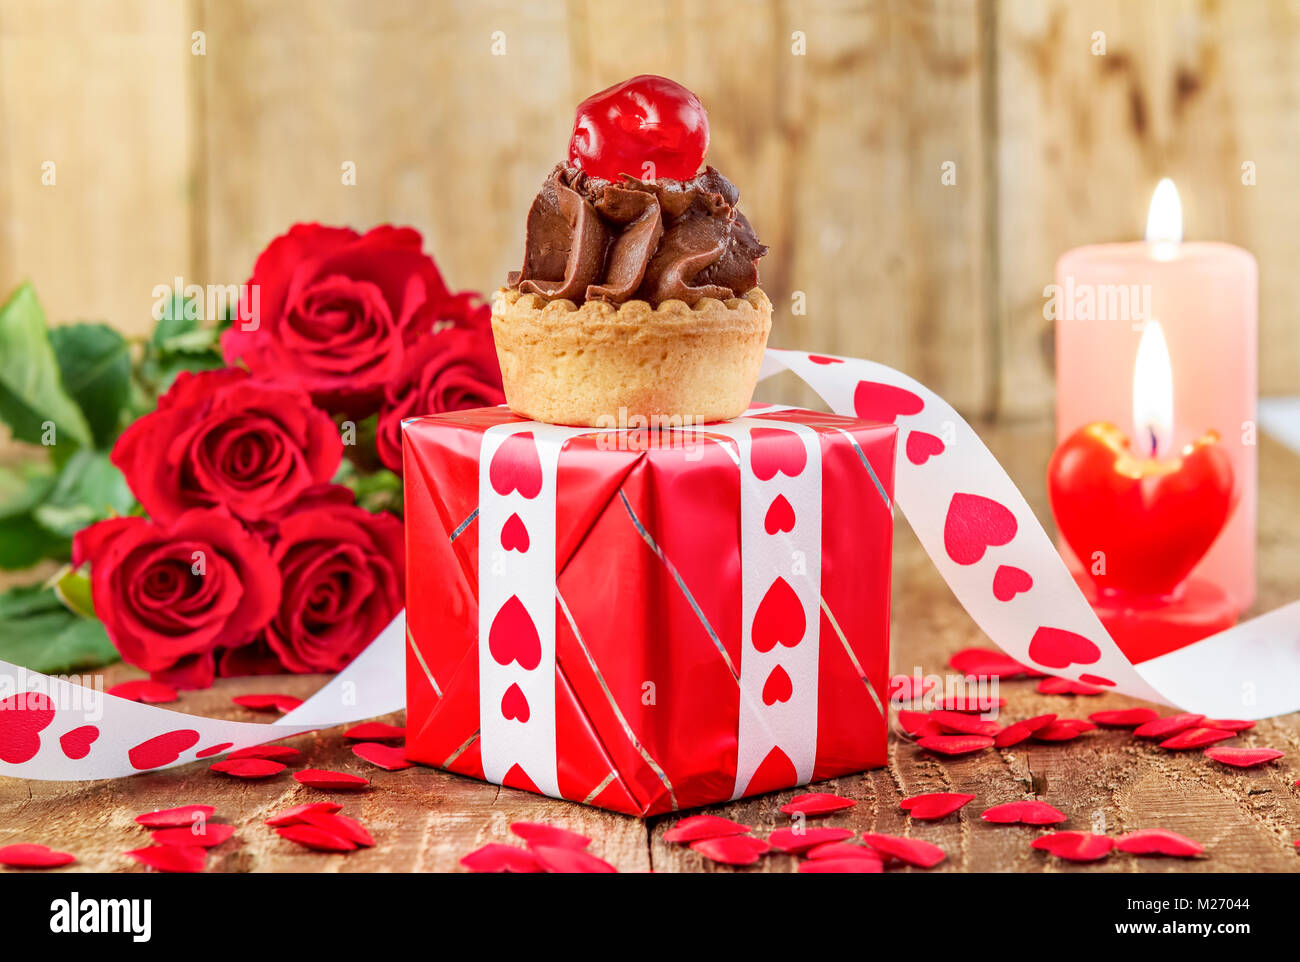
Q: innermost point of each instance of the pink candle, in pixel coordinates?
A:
(1205, 297)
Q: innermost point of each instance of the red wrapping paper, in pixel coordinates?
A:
(646, 705)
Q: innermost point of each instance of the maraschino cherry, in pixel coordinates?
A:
(648, 127)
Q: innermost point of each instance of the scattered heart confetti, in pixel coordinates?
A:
(1169, 725)
(909, 687)
(955, 744)
(1075, 846)
(1124, 717)
(1195, 738)
(274, 753)
(1017, 732)
(267, 702)
(210, 836)
(1063, 730)
(213, 750)
(843, 850)
(175, 817)
(732, 849)
(1054, 685)
(842, 866)
(388, 757)
(297, 814)
(704, 826)
(918, 724)
(971, 702)
(1243, 757)
(935, 805)
(796, 842)
(987, 662)
(817, 803)
(248, 767)
(568, 860)
(340, 825)
(495, 857)
(29, 855)
(913, 851)
(1158, 841)
(958, 723)
(376, 732)
(146, 691)
(309, 836)
(537, 833)
(171, 858)
(1229, 724)
(328, 780)
(1027, 812)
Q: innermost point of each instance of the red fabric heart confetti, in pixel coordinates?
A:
(1054, 685)
(144, 690)
(1229, 724)
(1027, 812)
(841, 866)
(267, 702)
(732, 849)
(971, 702)
(817, 803)
(935, 805)
(375, 732)
(297, 814)
(29, 855)
(913, 851)
(567, 860)
(175, 817)
(918, 724)
(909, 687)
(1169, 725)
(537, 833)
(171, 858)
(391, 758)
(210, 836)
(1124, 717)
(495, 857)
(339, 825)
(274, 753)
(1017, 732)
(797, 842)
(248, 767)
(1075, 846)
(959, 723)
(1244, 757)
(704, 826)
(328, 780)
(955, 744)
(1195, 738)
(1063, 730)
(1158, 841)
(839, 850)
(310, 836)
(988, 662)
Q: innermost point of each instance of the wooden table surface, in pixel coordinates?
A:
(424, 819)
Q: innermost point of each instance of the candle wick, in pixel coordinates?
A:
(1154, 442)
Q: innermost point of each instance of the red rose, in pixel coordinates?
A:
(221, 439)
(170, 595)
(335, 311)
(342, 571)
(449, 370)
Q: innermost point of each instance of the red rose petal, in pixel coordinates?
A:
(175, 817)
(495, 857)
(969, 702)
(732, 849)
(274, 753)
(1027, 812)
(838, 850)
(796, 842)
(537, 833)
(1124, 717)
(955, 744)
(918, 724)
(340, 825)
(391, 758)
(1054, 685)
(248, 767)
(1063, 730)
(913, 851)
(1169, 725)
(1017, 732)
(935, 805)
(144, 690)
(1229, 724)
(567, 860)
(310, 836)
(842, 866)
(1158, 841)
(1075, 846)
(171, 858)
(817, 803)
(1244, 757)
(30, 855)
(297, 814)
(704, 826)
(267, 702)
(211, 835)
(376, 732)
(1195, 738)
(328, 780)
(959, 723)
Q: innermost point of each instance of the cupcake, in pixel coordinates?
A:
(638, 302)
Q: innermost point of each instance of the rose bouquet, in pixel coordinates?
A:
(226, 493)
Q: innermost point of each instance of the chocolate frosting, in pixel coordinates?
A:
(592, 239)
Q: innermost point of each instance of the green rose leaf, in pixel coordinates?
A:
(88, 489)
(73, 589)
(39, 633)
(95, 364)
(32, 393)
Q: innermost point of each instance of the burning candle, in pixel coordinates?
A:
(1204, 297)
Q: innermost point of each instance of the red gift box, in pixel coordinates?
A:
(648, 620)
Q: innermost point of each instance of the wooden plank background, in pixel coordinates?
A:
(173, 160)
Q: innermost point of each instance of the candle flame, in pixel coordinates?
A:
(1153, 394)
(1165, 220)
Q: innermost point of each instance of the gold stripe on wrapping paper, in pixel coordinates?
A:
(618, 712)
(595, 792)
(857, 665)
(410, 640)
(460, 751)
